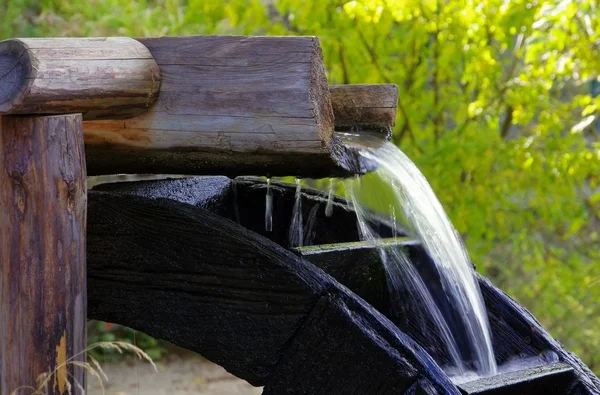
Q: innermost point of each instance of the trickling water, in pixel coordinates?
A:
(402, 275)
(269, 207)
(394, 222)
(296, 227)
(329, 206)
(309, 228)
(425, 214)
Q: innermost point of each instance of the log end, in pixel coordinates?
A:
(16, 70)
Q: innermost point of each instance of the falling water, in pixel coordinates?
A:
(309, 228)
(329, 206)
(269, 207)
(394, 221)
(296, 228)
(425, 214)
(402, 275)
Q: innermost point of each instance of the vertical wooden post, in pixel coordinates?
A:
(43, 301)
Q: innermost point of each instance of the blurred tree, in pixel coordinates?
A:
(495, 108)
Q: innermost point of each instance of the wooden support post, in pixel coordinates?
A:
(43, 300)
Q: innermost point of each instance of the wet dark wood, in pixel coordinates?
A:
(42, 251)
(183, 274)
(102, 78)
(242, 200)
(552, 378)
(364, 107)
(515, 332)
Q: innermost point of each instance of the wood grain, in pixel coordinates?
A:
(228, 105)
(364, 107)
(201, 281)
(112, 77)
(43, 296)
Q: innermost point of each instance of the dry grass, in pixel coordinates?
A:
(92, 367)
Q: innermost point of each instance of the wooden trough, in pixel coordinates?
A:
(185, 260)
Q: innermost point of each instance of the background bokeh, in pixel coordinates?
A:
(499, 107)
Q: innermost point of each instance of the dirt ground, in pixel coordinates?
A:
(177, 375)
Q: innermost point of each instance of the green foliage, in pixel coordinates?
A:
(103, 332)
(495, 108)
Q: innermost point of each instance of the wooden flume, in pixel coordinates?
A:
(195, 105)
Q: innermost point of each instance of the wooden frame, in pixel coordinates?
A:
(43, 296)
(226, 105)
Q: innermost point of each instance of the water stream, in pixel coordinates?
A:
(330, 192)
(429, 222)
(296, 235)
(402, 276)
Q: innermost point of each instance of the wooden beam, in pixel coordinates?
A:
(228, 105)
(99, 77)
(364, 107)
(43, 299)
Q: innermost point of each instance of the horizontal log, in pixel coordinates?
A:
(113, 77)
(242, 301)
(364, 107)
(228, 105)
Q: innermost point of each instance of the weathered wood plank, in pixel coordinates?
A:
(364, 106)
(226, 108)
(43, 296)
(99, 77)
(183, 274)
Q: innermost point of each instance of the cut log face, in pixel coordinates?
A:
(99, 77)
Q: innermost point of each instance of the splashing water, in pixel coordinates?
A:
(425, 214)
(269, 207)
(296, 227)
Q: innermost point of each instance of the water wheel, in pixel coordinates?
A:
(189, 261)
